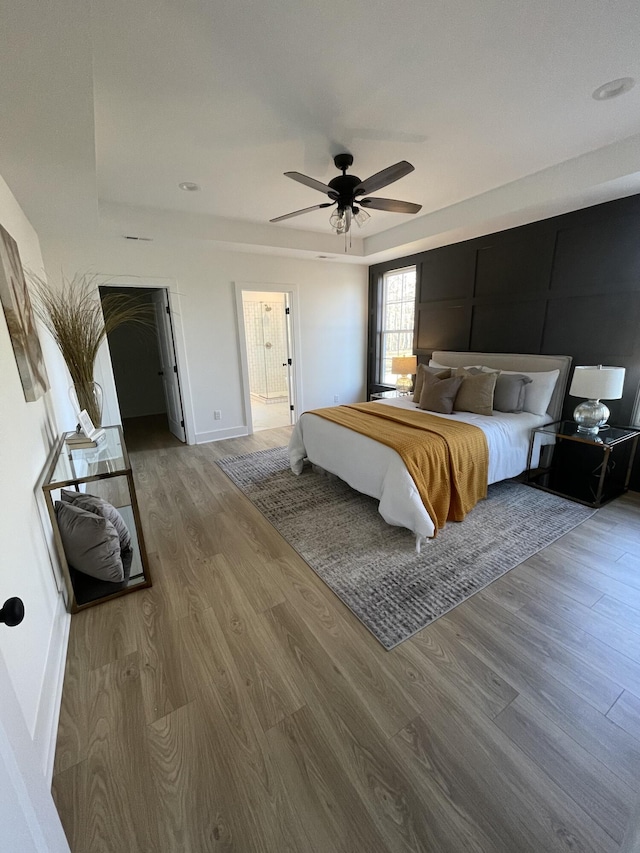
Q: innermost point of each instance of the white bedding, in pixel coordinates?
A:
(376, 470)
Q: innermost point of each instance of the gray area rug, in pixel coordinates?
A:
(373, 567)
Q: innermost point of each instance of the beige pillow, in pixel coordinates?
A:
(469, 371)
(476, 392)
(438, 394)
(423, 370)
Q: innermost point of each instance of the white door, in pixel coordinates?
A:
(169, 364)
(29, 821)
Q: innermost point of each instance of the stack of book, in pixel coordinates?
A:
(78, 440)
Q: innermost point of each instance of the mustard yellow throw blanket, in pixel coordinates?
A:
(448, 460)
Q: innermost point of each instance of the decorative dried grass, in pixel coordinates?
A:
(79, 322)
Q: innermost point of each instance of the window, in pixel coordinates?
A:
(397, 318)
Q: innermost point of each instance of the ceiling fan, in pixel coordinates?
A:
(344, 190)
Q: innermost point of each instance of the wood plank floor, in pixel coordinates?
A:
(237, 705)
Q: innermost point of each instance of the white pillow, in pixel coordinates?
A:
(537, 395)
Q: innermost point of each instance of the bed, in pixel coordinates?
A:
(377, 470)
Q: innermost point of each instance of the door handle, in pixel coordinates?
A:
(12, 613)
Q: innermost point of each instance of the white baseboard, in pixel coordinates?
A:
(46, 728)
(221, 434)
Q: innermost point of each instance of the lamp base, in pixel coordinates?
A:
(404, 384)
(591, 416)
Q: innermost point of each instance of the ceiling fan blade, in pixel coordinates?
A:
(304, 210)
(390, 204)
(384, 178)
(311, 182)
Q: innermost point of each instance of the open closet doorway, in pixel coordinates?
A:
(145, 371)
(268, 358)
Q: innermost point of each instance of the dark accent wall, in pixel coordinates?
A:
(569, 285)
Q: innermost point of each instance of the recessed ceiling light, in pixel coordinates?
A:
(613, 88)
(189, 187)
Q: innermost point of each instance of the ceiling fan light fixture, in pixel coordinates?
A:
(361, 216)
(338, 221)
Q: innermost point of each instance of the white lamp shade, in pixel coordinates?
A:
(597, 382)
(404, 364)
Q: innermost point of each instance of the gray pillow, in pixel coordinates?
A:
(476, 392)
(98, 506)
(510, 392)
(423, 370)
(91, 543)
(438, 394)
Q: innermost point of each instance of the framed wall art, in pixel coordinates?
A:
(20, 318)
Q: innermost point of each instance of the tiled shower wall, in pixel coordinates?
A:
(266, 349)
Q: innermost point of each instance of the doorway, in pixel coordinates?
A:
(268, 358)
(146, 374)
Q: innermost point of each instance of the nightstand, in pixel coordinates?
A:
(590, 469)
(385, 395)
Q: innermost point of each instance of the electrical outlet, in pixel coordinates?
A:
(336, 398)
(217, 415)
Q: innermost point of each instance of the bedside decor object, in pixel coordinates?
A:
(596, 383)
(404, 366)
(78, 322)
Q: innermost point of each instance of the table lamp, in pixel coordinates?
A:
(595, 382)
(404, 366)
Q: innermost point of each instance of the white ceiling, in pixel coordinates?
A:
(109, 106)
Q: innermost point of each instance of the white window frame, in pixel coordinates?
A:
(383, 332)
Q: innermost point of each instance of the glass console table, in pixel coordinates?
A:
(107, 468)
(590, 469)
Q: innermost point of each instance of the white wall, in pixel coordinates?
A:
(34, 651)
(331, 322)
